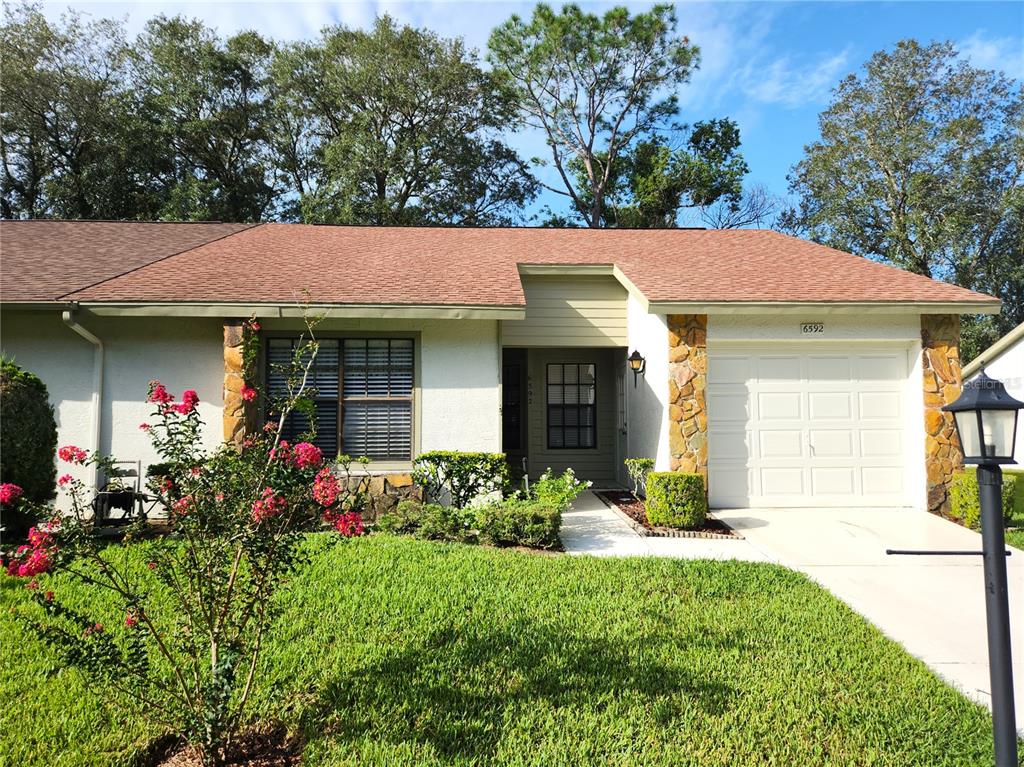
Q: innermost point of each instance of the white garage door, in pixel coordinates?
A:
(791, 427)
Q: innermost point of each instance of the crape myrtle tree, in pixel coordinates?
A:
(180, 621)
(920, 164)
(396, 126)
(596, 86)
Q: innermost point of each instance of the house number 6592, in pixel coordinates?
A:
(812, 328)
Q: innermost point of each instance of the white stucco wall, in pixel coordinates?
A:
(182, 353)
(458, 371)
(647, 402)
(1009, 368)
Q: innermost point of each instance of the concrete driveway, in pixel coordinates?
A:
(933, 606)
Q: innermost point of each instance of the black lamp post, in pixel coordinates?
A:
(986, 422)
(637, 364)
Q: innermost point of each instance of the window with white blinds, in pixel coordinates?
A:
(572, 405)
(363, 393)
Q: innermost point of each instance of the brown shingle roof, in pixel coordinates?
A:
(46, 260)
(286, 263)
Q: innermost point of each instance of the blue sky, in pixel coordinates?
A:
(770, 65)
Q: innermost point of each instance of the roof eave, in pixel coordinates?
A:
(995, 351)
(826, 307)
(292, 310)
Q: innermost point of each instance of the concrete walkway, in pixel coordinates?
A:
(933, 605)
(591, 527)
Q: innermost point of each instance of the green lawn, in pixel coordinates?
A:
(394, 651)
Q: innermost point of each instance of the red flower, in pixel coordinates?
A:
(145, 426)
(72, 454)
(269, 505)
(48, 596)
(64, 479)
(325, 487)
(254, 325)
(158, 393)
(348, 523)
(189, 400)
(9, 492)
(248, 393)
(151, 565)
(306, 454)
(130, 620)
(183, 505)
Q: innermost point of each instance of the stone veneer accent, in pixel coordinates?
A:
(687, 385)
(239, 415)
(940, 362)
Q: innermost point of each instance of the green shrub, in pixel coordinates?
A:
(404, 518)
(519, 522)
(445, 523)
(28, 444)
(557, 491)
(459, 477)
(966, 506)
(638, 469)
(676, 500)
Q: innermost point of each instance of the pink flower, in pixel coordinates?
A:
(158, 393)
(189, 400)
(195, 471)
(254, 325)
(64, 479)
(248, 393)
(32, 585)
(130, 620)
(72, 454)
(347, 523)
(306, 454)
(325, 487)
(48, 596)
(269, 426)
(269, 505)
(151, 565)
(9, 492)
(166, 485)
(39, 538)
(219, 497)
(283, 451)
(145, 426)
(183, 505)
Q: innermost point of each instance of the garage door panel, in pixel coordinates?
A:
(829, 369)
(730, 370)
(725, 444)
(782, 481)
(879, 405)
(784, 369)
(781, 443)
(831, 443)
(832, 481)
(883, 480)
(778, 406)
(881, 443)
(827, 405)
(809, 428)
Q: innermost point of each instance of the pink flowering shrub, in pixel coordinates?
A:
(187, 644)
(9, 493)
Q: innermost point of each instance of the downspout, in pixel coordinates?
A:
(97, 389)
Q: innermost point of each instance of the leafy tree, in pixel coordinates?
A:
(595, 86)
(70, 144)
(920, 164)
(396, 126)
(652, 182)
(209, 101)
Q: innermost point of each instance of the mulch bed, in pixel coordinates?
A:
(263, 745)
(633, 508)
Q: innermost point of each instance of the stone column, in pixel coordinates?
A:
(687, 385)
(239, 415)
(940, 362)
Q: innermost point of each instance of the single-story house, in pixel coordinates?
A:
(1004, 361)
(788, 373)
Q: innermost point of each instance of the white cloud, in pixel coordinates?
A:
(1004, 54)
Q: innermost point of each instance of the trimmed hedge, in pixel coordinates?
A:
(520, 523)
(462, 476)
(964, 497)
(675, 499)
(515, 522)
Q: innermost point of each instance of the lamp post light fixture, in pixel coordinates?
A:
(986, 422)
(637, 364)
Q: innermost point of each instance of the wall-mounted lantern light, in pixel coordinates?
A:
(637, 364)
(986, 422)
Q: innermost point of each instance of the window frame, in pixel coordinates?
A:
(579, 407)
(375, 466)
